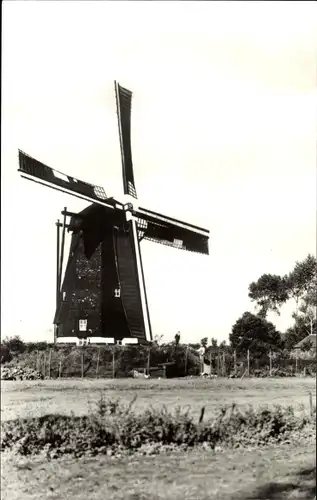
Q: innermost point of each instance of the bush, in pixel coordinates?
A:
(5, 354)
(15, 344)
(115, 428)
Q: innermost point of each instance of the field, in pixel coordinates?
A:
(277, 473)
(22, 399)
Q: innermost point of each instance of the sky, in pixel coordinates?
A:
(223, 136)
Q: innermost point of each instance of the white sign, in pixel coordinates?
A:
(82, 325)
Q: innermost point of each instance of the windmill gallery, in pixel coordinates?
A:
(103, 293)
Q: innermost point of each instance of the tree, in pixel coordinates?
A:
(269, 293)
(255, 333)
(302, 281)
(305, 321)
(15, 344)
(295, 334)
(307, 310)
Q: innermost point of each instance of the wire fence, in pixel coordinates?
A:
(123, 361)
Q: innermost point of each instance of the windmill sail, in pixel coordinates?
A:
(37, 171)
(171, 232)
(124, 101)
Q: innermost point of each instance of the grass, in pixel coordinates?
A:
(280, 473)
(33, 398)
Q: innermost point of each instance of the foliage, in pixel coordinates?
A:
(305, 321)
(37, 346)
(115, 428)
(306, 313)
(254, 333)
(15, 344)
(67, 359)
(269, 293)
(5, 354)
(302, 281)
(295, 333)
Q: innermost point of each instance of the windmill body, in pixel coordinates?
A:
(103, 291)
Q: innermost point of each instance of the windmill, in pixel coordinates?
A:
(103, 291)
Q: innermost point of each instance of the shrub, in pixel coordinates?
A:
(114, 427)
(15, 344)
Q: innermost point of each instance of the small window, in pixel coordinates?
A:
(82, 325)
(117, 293)
(64, 295)
(178, 243)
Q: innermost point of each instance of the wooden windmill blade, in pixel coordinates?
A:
(124, 104)
(171, 232)
(34, 170)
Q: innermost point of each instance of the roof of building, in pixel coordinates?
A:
(310, 339)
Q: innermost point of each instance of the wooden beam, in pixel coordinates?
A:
(58, 225)
(62, 250)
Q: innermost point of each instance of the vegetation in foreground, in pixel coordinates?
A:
(115, 428)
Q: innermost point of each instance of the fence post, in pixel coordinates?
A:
(44, 365)
(186, 360)
(49, 363)
(310, 404)
(270, 356)
(113, 363)
(60, 369)
(248, 361)
(210, 353)
(148, 364)
(235, 362)
(98, 359)
(296, 362)
(82, 362)
(218, 364)
(38, 361)
(223, 364)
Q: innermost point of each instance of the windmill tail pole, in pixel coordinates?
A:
(62, 250)
(57, 271)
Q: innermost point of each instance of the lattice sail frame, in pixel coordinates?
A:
(170, 232)
(124, 105)
(29, 166)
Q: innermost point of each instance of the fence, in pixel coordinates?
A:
(235, 364)
(120, 361)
